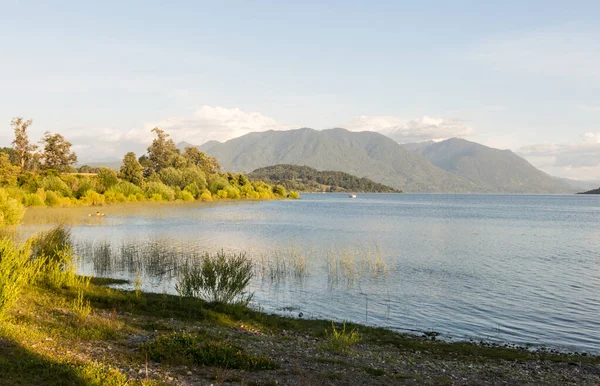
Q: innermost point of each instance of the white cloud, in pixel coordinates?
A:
(216, 123)
(578, 160)
(567, 51)
(589, 108)
(204, 124)
(416, 130)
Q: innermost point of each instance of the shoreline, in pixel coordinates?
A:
(44, 333)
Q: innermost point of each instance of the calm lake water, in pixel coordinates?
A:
(513, 268)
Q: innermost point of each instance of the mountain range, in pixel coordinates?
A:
(454, 165)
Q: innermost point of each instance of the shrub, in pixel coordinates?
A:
(222, 194)
(293, 194)
(52, 198)
(187, 196)
(153, 188)
(92, 197)
(218, 278)
(193, 175)
(206, 196)
(126, 188)
(11, 210)
(17, 269)
(216, 183)
(194, 189)
(279, 190)
(32, 199)
(54, 183)
(171, 177)
(52, 244)
(107, 179)
(340, 340)
(232, 192)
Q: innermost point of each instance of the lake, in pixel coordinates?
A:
(506, 268)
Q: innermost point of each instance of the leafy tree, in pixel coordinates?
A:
(8, 171)
(162, 150)
(23, 148)
(12, 154)
(209, 165)
(132, 170)
(57, 152)
(107, 178)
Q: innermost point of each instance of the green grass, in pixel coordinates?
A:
(194, 349)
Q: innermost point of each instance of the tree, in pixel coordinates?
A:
(23, 149)
(162, 150)
(8, 171)
(57, 152)
(108, 178)
(209, 165)
(132, 170)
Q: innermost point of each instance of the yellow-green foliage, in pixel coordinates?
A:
(187, 196)
(160, 189)
(293, 194)
(340, 340)
(206, 196)
(11, 210)
(17, 269)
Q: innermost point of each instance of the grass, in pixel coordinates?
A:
(189, 349)
(340, 341)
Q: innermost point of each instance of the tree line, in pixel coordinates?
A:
(44, 175)
(307, 179)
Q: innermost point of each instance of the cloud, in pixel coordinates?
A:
(416, 130)
(589, 108)
(216, 123)
(566, 51)
(578, 160)
(204, 124)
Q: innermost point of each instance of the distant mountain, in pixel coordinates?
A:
(417, 146)
(595, 191)
(307, 179)
(363, 154)
(495, 170)
(204, 147)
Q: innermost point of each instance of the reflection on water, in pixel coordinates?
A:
(523, 269)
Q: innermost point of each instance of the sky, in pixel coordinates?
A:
(519, 75)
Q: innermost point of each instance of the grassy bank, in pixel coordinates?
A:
(58, 328)
(52, 336)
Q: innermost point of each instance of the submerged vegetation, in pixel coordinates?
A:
(46, 177)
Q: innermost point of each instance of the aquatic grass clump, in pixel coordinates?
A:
(17, 269)
(187, 349)
(220, 278)
(340, 341)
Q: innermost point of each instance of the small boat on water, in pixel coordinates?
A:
(352, 196)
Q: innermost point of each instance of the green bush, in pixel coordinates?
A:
(293, 194)
(219, 278)
(52, 243)
(126, 188)
(153, 188)
(11, 210)
(279, 190)
(187, 196)
(171, 177)
(17, 269)
(340, 340)
(206, 196)
(55, 184)
(52, 198)
(32, 199)
(216, 183)
(193, 175)
(107, 178)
